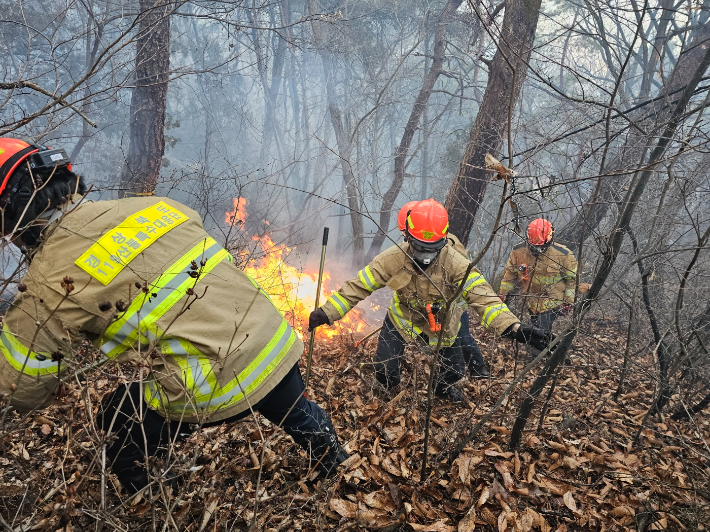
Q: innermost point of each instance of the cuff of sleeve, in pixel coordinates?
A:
(508, 332)
(329, 309)
(503, 322)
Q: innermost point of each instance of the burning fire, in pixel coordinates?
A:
(292, 290)
(239, 214)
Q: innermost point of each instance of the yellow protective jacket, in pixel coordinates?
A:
(209, 340)
(413, 290)
(548, 281)
(458, 246)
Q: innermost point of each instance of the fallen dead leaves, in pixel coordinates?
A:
(580, 475)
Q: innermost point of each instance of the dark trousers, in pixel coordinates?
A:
(471, 352)
(545, 320)
(390, 349)
(121, 410)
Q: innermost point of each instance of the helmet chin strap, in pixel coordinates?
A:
(539, 250)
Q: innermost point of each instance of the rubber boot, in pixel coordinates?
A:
(450, 393)
(322, 444)
(133, 479)
(478, 372)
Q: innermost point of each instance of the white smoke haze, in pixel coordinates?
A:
(335, 113)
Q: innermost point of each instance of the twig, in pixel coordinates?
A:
(367, 337)
(103, 477)
(34, 86)
(476, 429)
(547, 404)
(435, 365)
(625, 366)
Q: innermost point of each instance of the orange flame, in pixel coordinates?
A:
(239, 214)
(292, 290)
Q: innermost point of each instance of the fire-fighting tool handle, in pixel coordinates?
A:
(320, 281)
(435, 327)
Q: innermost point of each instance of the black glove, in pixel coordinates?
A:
(528, 334)
(316, 319)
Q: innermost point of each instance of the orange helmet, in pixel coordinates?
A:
(402, 216)
(14, 152)
(427, 227)
(540, 232)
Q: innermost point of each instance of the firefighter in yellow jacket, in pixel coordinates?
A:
(472, 357)
(142, 280)
(423, 273)
(545, 273)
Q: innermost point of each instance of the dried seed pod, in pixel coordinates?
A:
(105, 306)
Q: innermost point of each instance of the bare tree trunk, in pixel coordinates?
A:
(270, 87)
(661, 347)
(91, 51)
(595, 209)
(659, 42)
(412, 124)
(505, 80)
(342, 138)
(147, 119)
(613, 247)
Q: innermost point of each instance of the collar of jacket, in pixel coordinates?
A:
(52, 216)
(55, 214)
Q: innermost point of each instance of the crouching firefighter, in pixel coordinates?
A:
(424, 272)
(142, 280)
(545, 272)
(473, 359)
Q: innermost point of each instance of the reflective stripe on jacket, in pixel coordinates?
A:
(550, 277)
(211, 341)
(412, 292)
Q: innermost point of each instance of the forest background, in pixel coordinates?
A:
(274, 119)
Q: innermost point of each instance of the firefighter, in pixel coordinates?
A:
(141, 279)
(423, 273)
(545, 273)
(472, 356)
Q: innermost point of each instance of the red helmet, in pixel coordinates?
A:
(428, 224)
(540, 232)
(402, 216)
(14, 152)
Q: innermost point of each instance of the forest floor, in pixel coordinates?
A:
(580, 470)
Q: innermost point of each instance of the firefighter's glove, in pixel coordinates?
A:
(528, 334)
(566, 309)
(316, 319)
